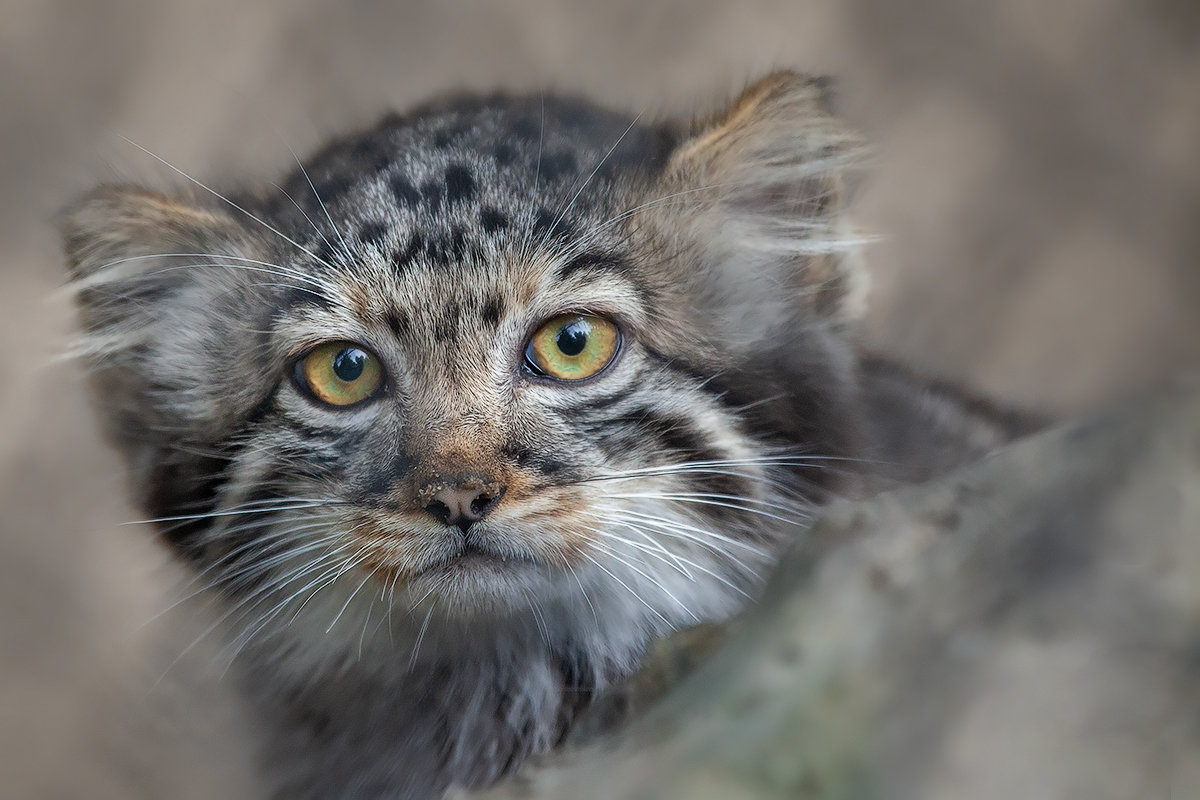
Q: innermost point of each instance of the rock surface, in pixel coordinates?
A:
(1029, 627)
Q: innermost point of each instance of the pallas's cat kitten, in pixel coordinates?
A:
(480, 402)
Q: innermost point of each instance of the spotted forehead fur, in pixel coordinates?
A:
(466, 177)
(458, 212)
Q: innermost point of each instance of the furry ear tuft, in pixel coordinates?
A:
(112, 223)
(127, 248)
(160, 283)
(762, 191)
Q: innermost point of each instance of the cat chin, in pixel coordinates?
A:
(479, 584)
(475, 602)
(443, 613)
(481, 610)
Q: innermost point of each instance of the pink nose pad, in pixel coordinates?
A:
(464, 502)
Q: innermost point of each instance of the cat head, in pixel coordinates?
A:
(510, 359)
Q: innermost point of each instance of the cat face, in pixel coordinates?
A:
(498, 361)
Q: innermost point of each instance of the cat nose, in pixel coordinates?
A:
(462, 501)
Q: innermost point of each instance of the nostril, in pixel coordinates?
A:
(462, 503)
(439, 510)
(482, 505)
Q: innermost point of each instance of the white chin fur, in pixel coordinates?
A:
(477, 604)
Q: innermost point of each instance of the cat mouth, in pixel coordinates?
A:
(476, 580)
(474, 559)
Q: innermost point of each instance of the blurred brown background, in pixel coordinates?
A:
(1037, 199)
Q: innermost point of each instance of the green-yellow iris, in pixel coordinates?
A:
(340, 373)
(572, 347)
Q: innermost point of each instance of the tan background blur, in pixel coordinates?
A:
(1037, 197)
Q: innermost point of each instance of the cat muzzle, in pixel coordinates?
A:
(460, 500)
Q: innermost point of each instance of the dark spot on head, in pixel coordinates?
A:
(331, 188)
(431, 190)
(493, 309)
(435, 247)
(549, 226)
(492, 219)
(404, 257)
(597, 261)
(447, 327)
(398, 321)
(371, 153)
(556, 164)
(503, 153)
(460, 184)
(372, 233)
(299, 296)
(457, 242)
(405, 193)
(527, 129)
(448, 246)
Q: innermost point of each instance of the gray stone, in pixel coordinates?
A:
(1028, 627)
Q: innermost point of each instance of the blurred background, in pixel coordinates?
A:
(1037, 199)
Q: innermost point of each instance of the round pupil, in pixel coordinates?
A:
(572, 339)
(348, 364)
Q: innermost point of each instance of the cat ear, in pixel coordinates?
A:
(756, 257)
(759, 193)
(140, 259)
(162, 301)
(113, 231)
(127, 247)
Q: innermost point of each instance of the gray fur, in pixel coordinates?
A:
(390, 654)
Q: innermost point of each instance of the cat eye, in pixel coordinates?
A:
(571, 347)
(340, 374)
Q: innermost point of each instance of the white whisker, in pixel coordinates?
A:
(742, 504)
(412, 660)
(570, 204)
(676, 557)
(627, 588)
(650, 578)
(345, 248)
(225, 199)
(304, 213)
(699, 535)
(350, 599)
